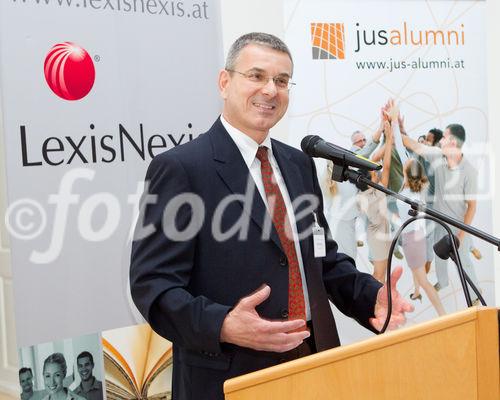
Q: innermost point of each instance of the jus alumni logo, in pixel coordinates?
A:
(69, 71)
(328, 41)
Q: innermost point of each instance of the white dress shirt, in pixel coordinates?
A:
(248, 149)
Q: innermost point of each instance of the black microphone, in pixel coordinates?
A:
(314, 146)
(443, 248)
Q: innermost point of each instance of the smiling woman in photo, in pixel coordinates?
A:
(54, 372)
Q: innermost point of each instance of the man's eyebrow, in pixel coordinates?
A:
(257, 69)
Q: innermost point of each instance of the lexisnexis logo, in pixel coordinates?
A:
(329, 39)
(69, 71)
(70, 74)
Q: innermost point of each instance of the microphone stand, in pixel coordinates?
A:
(342, 173)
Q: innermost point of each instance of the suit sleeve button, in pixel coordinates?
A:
(283, 261)
(284, 313)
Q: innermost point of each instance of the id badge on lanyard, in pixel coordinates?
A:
(318, 239)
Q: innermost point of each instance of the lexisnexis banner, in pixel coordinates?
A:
(91, 91)
(350, 58)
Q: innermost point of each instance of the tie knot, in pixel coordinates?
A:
(262, 154)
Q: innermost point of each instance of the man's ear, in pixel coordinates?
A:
(224, 80)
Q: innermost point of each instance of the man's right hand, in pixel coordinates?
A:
(244, 327)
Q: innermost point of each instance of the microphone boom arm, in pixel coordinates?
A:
(343, 173)
(357, 177)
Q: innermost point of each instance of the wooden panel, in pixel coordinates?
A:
(11, 360)
(8, 353)
(4, 240)
(5, 269)
(488, 369)
(437, 359)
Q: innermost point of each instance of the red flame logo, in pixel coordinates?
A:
(69, 71)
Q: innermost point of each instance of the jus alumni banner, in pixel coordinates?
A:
(350, 58)
(91, 91)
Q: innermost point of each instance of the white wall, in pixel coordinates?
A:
(8, 353)
(493, 45)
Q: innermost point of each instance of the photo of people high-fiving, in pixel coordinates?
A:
(431, 169)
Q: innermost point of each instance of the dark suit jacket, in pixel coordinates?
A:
(185, 288)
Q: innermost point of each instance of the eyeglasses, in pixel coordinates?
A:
(282, 82)
(360, 140)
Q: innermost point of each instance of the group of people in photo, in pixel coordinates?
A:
(432, 170)
(57, 382)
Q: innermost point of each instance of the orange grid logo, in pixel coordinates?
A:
(328, 41)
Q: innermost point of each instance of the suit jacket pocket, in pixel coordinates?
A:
(203, 359)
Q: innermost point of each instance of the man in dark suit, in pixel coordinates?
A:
(224, 263)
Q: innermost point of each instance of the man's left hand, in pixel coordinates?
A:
(399, 305)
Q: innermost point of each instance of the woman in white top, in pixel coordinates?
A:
(415, 184)
(373, 203)
(341, 211)
(343, 203)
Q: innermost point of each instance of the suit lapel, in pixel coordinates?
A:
(294, 182)
(232, 169)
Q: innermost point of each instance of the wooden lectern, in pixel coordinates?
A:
(452, 357)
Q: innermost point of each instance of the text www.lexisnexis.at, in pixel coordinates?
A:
(148, 7)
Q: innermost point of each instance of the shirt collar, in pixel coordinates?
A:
(246, 145)
(95, 385)
(459, 166)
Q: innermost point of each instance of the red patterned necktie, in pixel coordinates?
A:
(277, 208)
